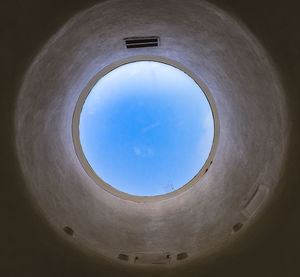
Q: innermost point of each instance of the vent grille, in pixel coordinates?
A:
(140, 42)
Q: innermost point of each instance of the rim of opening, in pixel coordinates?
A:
(81, 156)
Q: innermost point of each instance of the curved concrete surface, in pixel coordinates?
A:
(240, 218)
(251, 150)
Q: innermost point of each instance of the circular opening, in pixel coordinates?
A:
(145, 128)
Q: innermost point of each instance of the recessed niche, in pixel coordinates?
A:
(152, 258)
(238, 226)
(182, 256)
(69, 231)
(123, 257)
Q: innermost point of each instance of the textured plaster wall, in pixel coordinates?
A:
(249, 100)
(55, 197)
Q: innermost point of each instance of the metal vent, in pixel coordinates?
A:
(140, 42)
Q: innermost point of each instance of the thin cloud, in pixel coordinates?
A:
(137, 151)
(143, 151)
(150, 152)
(146, 129)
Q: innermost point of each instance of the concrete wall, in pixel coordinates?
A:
(50, 190)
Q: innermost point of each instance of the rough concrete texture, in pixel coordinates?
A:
(253, 128)
(251, 151)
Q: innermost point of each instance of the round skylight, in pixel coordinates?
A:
(146, 128)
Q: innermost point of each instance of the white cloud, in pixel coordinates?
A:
(143, 151)
(150, 127)
(150, 152)
(137, 151)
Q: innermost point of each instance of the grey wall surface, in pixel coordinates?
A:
(30, 247)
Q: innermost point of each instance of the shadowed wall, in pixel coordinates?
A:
(29, 248)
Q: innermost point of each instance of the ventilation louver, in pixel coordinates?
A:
(140, 42)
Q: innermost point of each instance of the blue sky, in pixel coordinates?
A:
(146, 128)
